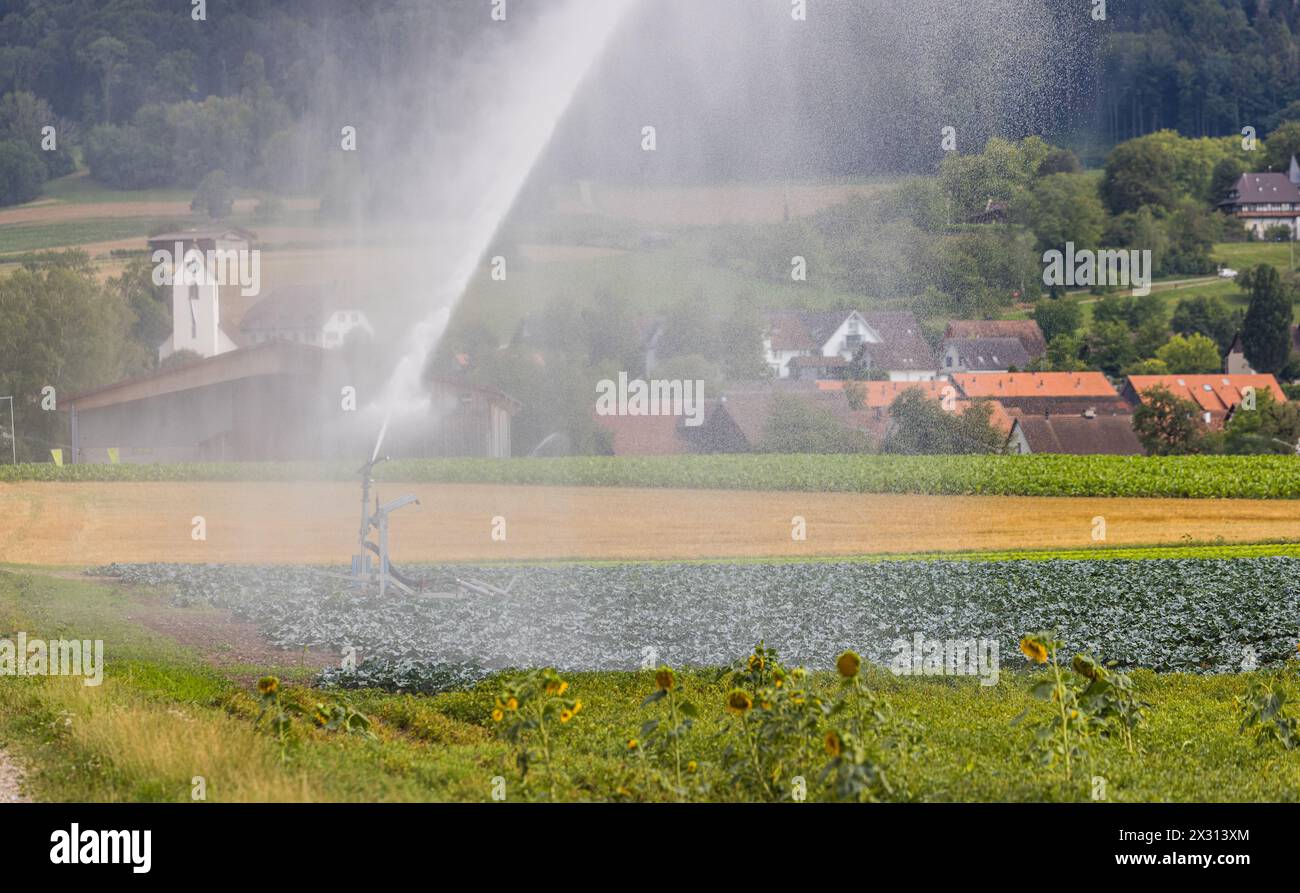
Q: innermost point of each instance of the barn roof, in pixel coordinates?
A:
(1080, 435)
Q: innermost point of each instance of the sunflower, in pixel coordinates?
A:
(1034, 649)
(633, 744)
(577, 707)
(557, 687)
(498, 715)
(512, 704)
(756, 662)
(692, 766)
(834, 746)
(1085, 667)
(566, 714)
(848, 664)
(268, 685)
(664, 679)
(739, 702)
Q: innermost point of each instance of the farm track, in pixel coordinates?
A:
(315, 523)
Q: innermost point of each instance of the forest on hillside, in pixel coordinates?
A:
(156, 98)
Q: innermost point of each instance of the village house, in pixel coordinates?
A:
(982, 355)
(322, 316)
(1216, 396)
(1261, 201)
(827, 342)
(1026, 331)
(1234, 361)
(1077, 413)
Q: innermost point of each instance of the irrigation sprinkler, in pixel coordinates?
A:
(371, 565)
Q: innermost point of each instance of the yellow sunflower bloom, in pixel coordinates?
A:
(834, 746)
(739, 702)
(1033, 649)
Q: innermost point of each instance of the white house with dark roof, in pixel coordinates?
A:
(1265, 200)
(323, 316)
(806, 344)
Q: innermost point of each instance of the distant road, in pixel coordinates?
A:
(1166, 285)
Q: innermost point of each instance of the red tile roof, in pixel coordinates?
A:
(1215, 394)
(883, 393)
(998, 385)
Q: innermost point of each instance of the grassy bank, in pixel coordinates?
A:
(164, 716)
(1195, 477)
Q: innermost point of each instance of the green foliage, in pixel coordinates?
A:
(214, 195)
(1166, 424)
(798, 426)
(1272, 426)
(1057, 317)
(1266, 332)
(1063, 208)
(1138, 173)
(531, 708)
(1090, 702)
(1189, 477)
(1190, 355)
(1207, 315)
(1264, 709)
(22, 173)
(922, 426)
(664, 737)
(60, 328)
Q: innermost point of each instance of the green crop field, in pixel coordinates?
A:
(1198, 477)
(166, 713)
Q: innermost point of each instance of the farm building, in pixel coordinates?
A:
(1077, 435)
(276, 401)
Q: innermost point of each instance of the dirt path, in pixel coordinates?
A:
(85, 524)
(11, 781)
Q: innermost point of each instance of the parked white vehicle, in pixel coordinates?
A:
(1227, 273)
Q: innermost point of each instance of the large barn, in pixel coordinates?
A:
(277, 401)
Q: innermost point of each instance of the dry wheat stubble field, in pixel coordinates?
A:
(294, 523)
